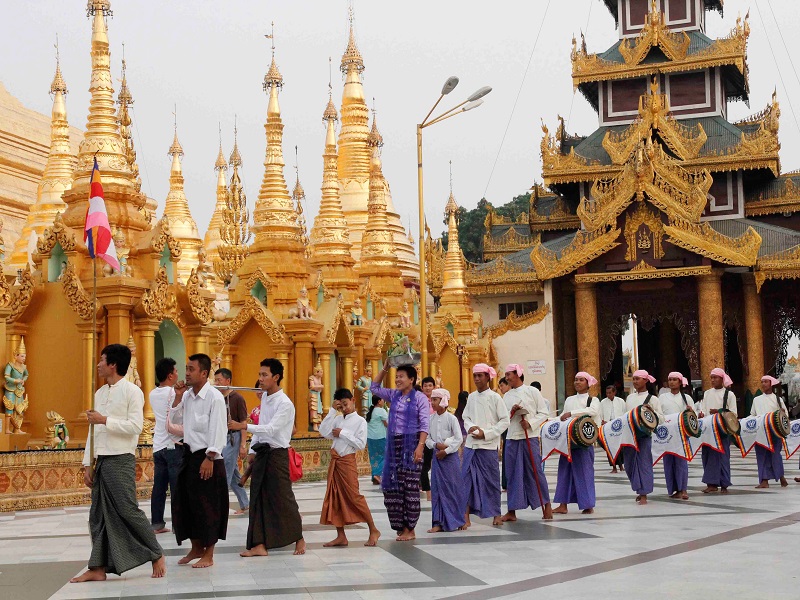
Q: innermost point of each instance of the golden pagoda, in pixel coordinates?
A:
(234, 228)
(212, 239)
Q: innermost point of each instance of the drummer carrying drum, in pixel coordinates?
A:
(717, 465)
(770, 463)
(639, 463)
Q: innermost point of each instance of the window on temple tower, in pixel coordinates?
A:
(518, 308)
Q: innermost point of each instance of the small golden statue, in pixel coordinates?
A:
(357, 313)
(303, 309)
(133, 373)
(315, 389)
(363, 385)
(405, 317)
(202, 267)
(57, 432)
(15, 401)
(439, 377)
(216, 362)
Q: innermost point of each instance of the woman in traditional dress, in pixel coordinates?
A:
(377, 422)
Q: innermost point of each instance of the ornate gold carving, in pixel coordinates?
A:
(160, 302)
(559, 218)
(77, 297)
(585, 247)
(252, 309)
(702, 239)
(643, 216)
(21, 294)
(259, 275)
(780, 265)
(655, 33)
(202, 309)
(642, 271)
(785, 199)
(340, 318)
(57, 233)
(514, 323)
(510, 241)
(5, 290)
(163, 238)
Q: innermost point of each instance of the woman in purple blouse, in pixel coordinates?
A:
(405, 440)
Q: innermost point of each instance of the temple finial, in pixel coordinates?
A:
(236, 158)
(273, 76)
(58, 85)
(451, 177)
(221, 164)
(352, 59)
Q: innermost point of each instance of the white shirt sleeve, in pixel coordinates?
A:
(217, 427)
(454, 440)
(501, 410)
(133, 421)
(282, 420)
(326, 427)
(592, 410)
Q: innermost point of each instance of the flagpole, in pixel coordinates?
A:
(94, 358)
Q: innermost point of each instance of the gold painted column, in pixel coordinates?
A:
(432, 370)
(89, 365)
(347, 376)
(392, 373)
(197, 340)
(325, 359)
(710, 323)
(119, 323)
(146, 360)
(587, 331)
(755, 332)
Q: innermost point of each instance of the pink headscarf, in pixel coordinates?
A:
(443, 394)
(676, 375)
(484, 368)
(726, 380)
(644, 375)
(514, 368)
(589, 379)
(771, 379)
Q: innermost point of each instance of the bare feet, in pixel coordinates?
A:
(642, 499)
(340, 540)
(614, 470)
(561, 509)
(242, 511)
(676, 495)
(300, 547)
(797, 479)
(204, 563)
(710, 489)
(764, 484)
(587, 511)
(259, 550)
(723, 490)
(684, 495)
(373, 538)
(428, 495)
(90, 575)
(162, 530)
(548, 512)
(498, 520)
(784, 483)
(407, 536)
(193, 554)
(467, 524)
(159, 567)
(434, 529)
(509, 516)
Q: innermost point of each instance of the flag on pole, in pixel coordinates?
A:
(97, 230)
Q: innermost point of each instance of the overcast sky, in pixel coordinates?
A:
(210, 59)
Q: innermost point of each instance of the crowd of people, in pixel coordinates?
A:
(416, 444)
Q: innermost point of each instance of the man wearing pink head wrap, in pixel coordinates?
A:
(447, 506)
(770, 462)
(676, 468)
(717, 465)
(485, 418)
(575, 482)
(639, 463)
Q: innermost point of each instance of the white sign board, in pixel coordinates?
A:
(537, 367)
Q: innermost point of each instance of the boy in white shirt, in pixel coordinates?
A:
(717, 465)
(770, 463)
(611, 407)
(444, 439)
(676, 469)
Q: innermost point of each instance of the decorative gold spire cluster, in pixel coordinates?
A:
(103, 140)
(211, 241)
(234, 230)
(124, 100)
(56, 178)
(454, 287)
(330, 240)
(182, 225)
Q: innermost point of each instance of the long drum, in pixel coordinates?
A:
(730, 422)
(691, 424)
(583, 432)
(780, 423)
(644, 421)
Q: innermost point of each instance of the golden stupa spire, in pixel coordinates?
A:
(56, 178)
(234, 230)
(176, 208)
(211, 241)
(454, 287)
(125, 100)
(299, 195)
(103, 141)
(330, 239)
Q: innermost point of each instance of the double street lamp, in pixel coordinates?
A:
(474, 101)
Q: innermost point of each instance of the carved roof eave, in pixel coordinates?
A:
(197, 302)
(77, 297)
(18, 296)
(240, 316)
(160, 301)
(441, 338)
(333, 316)
(780, 265)
(503, 288)
(556, 224)
(514, 323)
(259, 275)
(702, 239)
(57, 233)
(158, 238)
(578, 253)
(771, 206)
(381, 334)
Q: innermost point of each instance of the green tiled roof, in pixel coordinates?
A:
(773, 238)
(697, 41)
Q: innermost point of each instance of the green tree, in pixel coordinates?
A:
(470, 224)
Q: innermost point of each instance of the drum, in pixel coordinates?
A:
(644, 421)
(583, 432)
(691, 424)
(780, 423)
(730, 422)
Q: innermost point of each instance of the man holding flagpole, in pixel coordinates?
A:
(121, 535)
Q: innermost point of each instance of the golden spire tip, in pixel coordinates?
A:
(236, 158)
(58, 85)
(221, 164)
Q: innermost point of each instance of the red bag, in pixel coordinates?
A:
(295, 465)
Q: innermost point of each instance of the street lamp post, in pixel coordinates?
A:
(474, 101)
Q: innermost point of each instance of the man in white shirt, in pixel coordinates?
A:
(121, 535)
(166, 457)
(344, 504)
(575, 482)
(770, 462)
(717, 465)
(527, 484)
(200, 508)
(639, 463)
(444, 438)
(676, 468)
(611, 407)
(485, 418)
(275, 519)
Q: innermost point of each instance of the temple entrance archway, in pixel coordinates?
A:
(169, 342)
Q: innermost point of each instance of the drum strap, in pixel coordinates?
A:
(685, 401)
(725, 400)
(589, 401)
(647, 400)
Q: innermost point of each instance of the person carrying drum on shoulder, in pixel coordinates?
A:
(639, 463)
(575, 482)
(770, 463)
(676, 470)
(717, 465)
